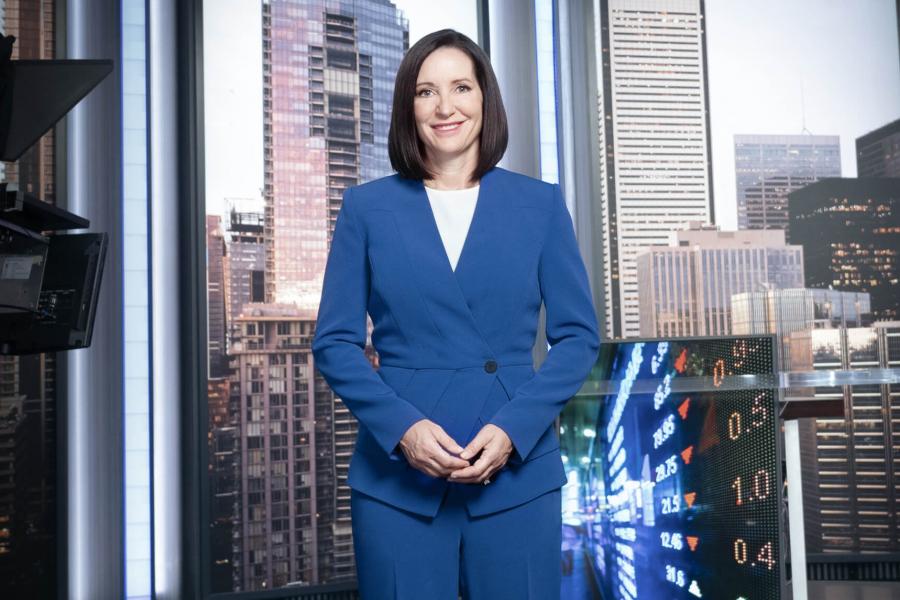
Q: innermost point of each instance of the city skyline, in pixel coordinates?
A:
(769, 43)
(279, 438)
(686, 288)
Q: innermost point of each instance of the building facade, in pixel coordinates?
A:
(850, 233)
(685, 288)
(216, 321)
(769, 167)
(328, 74)
(783, 312)
(245, 262)
(851, 464)
(224, 528)
(878, 152)
(286, 496)
(655, 138)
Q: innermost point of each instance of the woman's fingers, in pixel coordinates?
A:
(495, 447)
(449, 448)
(478, 442)
(429, 450)
(483, 468)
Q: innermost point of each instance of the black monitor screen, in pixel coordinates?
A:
(686, 486)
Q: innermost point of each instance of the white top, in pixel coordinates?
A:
(453, 211)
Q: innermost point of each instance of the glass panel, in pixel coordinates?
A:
(297, 110)
(136, 274)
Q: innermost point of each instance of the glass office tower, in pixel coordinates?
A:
(878, 152)
(850, 233)
(769, 167)
(655, 138)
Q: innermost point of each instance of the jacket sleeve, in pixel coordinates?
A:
(340, 339)
(572, 331)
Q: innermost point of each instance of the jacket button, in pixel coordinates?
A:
(490, 366)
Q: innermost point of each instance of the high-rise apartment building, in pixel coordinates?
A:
(285, 416)
(769, 167)
(11, 413)
(328, 75)
(850, 233)
(215, 290)
(686, 287)
(850, 464)
(224, 528)
(655, 138)
(878, 152)
(28, 469)
(245, 262)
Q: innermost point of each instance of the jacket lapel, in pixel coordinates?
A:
(452, 291)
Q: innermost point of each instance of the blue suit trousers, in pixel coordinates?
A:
(512, 554)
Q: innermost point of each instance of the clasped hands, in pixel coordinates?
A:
(431, 450)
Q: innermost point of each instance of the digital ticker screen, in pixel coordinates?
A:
(687, 485)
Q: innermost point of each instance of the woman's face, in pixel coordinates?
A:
(447, 91)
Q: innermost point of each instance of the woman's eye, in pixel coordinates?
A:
(462, 85)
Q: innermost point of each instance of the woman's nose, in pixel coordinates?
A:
(445, 106)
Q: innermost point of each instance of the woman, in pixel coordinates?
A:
(455, 479)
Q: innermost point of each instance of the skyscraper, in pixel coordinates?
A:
(769, 167)
(28, 465)
(686, 288)
(655, 134)
(850, 467)
(225, 548)
(328, 73)
(215, 289)
(245, 260)
(878, 152)
(287, 478)
(850, 233)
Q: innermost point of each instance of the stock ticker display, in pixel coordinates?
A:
(687, 484)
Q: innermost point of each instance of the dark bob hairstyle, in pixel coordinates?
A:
(406, 150)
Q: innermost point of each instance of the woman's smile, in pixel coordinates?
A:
(448, 129)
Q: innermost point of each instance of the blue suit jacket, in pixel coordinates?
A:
(455, 346)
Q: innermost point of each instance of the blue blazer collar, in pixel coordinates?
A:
(422, 242)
